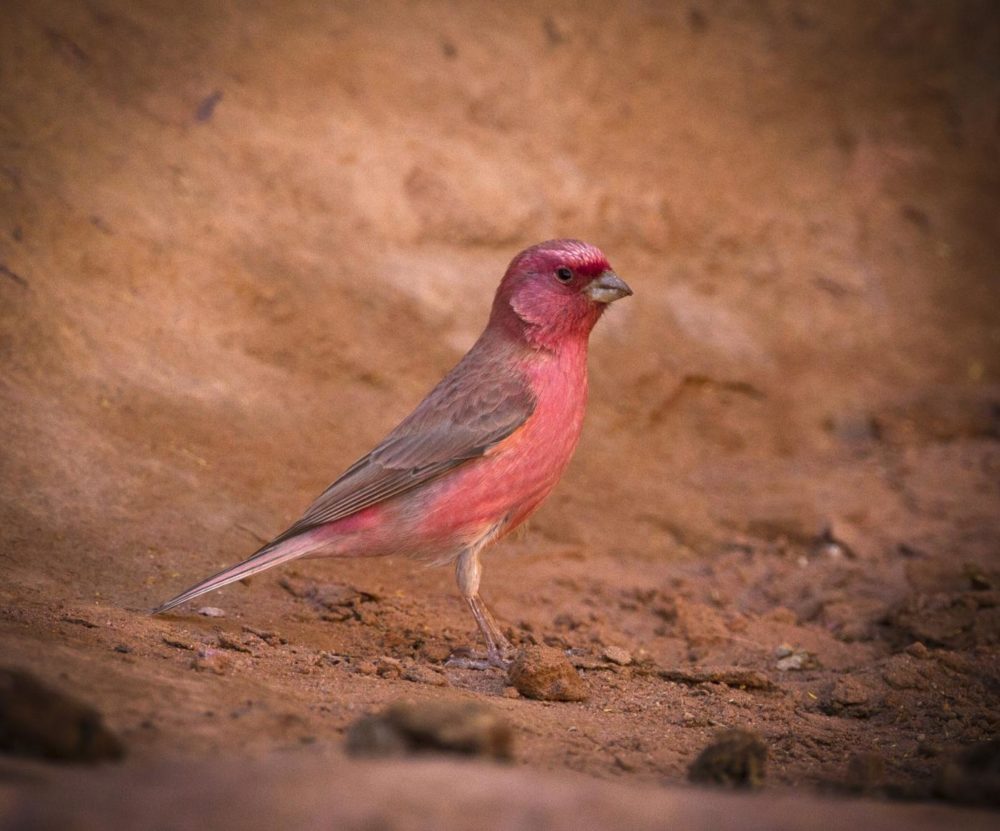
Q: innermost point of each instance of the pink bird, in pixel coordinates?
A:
(481, 452)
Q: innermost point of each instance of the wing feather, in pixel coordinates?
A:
(477, 405)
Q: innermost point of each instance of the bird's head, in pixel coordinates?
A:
(556, 291)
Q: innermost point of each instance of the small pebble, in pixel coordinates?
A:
(211, 660)
(211, 611)
(850, 692)
(791, 659)
(790, 663)
(617, 655)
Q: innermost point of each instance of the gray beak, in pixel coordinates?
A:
(607, 288)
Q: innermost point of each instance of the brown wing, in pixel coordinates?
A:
(477, 405)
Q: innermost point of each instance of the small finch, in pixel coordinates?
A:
(481, 452)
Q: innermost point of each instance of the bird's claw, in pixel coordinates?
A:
(464, 658)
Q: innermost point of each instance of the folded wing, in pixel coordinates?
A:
(457, 422)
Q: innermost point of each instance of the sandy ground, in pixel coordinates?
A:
(238, 242)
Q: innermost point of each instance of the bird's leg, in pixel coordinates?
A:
(499, 651)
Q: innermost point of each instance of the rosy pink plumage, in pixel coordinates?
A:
(482, 451)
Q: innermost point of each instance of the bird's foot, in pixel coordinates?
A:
(465, 658)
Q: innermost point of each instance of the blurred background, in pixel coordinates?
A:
(239, 241)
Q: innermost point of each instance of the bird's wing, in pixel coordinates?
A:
(462, 418)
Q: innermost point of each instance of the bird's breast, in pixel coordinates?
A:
(508, 483)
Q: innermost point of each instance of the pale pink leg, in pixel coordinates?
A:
(499, 651)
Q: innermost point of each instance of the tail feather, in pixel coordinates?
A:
(272, 554)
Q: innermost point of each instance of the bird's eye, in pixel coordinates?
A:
(563, 274)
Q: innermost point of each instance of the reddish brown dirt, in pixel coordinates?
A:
(238, 243)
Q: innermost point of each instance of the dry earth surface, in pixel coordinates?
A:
(239, 241)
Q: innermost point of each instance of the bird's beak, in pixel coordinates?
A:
(607, 288)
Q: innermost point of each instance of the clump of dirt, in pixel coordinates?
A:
(41, 722)
(544, 673)
(735, 758)
(972, 776)
(465, 727)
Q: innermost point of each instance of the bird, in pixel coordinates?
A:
(482, 450)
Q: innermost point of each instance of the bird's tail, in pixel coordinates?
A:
(274, 553)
